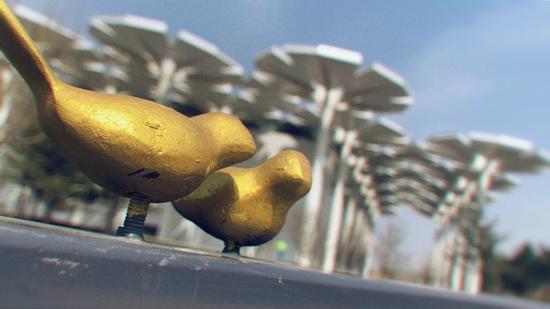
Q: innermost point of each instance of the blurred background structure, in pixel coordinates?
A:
(323, 100)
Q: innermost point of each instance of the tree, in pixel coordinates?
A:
(525, 274)
(488, 241)
(391, 260)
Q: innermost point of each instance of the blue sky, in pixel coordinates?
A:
(471, 65)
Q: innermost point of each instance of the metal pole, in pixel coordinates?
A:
(457, 277)
(336, 207)
(460, 249)
(450, 212)
(314, 198)
(476, 279)
(474, 273)
(368, 264)
(350, 212)
(437, 257)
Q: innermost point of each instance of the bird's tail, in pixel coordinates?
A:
(19, 49)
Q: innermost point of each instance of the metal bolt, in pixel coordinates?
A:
(135, 219)
(231, 247)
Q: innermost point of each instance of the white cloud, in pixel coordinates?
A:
(474, 60)
(492, 73)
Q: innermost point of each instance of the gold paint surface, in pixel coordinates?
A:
(134, 147)
(248, 206)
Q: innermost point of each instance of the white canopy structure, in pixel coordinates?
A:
(321, 76)
(484, 157)
(187, 70)
(360, 128)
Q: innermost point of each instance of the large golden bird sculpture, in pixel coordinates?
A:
(131, 146)
(248, 207)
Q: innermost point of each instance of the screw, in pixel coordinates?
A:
(231, 247)
(135, 219)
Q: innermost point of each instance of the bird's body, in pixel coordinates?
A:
(134, 147)
(247, 207)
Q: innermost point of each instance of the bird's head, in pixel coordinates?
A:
(231, 139)
(290, 174)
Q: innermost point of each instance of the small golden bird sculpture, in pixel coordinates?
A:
(131, 146)
(248, 207)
